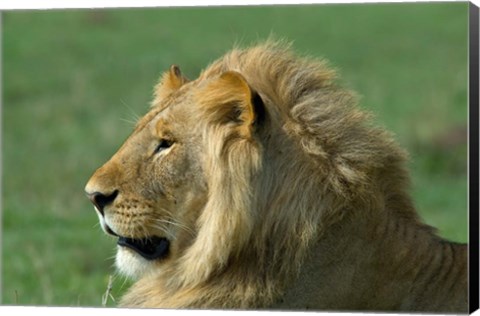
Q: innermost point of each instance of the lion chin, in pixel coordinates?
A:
(132, 265)
(262, 185)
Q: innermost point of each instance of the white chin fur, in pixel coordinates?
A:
(131, 264)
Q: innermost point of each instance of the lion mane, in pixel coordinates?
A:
(308, 206)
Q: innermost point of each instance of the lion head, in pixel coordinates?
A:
(162, 192)
(229, 181)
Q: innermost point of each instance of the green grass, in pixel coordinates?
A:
(72, 79)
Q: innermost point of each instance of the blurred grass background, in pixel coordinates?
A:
(72, 81)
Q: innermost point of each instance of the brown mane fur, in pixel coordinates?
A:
(308, 209)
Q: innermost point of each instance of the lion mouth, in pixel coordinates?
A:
(149, 248)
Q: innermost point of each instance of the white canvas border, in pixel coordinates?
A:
(71, 4)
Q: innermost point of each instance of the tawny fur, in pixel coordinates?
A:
(304, 207)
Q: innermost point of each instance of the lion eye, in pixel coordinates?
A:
(164, 144)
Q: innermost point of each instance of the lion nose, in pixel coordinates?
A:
(101, 200)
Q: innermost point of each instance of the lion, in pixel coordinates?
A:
(262, 185)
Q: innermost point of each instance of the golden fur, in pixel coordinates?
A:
(277, 192)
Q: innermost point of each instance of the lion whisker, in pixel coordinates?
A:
(128, 121)
(125, 279)
(164, 230)
(111, 257)
(136, 117)
(176, 224)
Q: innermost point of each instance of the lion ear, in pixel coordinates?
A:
(170, 81)
(229, 98)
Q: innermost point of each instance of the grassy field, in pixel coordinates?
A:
(74, 80)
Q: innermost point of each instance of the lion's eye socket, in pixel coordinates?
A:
(164, 144)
